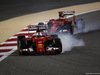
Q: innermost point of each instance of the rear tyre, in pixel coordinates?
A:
(54, 36)
(57, 43)
(59, 27)
(68, 25)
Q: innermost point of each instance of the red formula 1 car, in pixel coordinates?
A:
(39, 42)
(63, 25)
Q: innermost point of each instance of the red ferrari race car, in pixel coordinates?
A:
(63, 25)
(39, 42)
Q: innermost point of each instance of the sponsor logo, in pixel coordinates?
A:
(39, 41)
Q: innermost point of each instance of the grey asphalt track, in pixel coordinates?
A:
(14, 8)
(78, 61)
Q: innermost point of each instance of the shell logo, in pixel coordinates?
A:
(40, 45)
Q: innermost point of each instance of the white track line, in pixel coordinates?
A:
(84, 13)
(3, 53)
(9, 47)
(13, 37)
(87, 12)
(12, 42)
(6, 55)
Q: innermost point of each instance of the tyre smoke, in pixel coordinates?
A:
(69, 41)
(86, 25)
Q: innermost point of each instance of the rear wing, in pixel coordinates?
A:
(34, 27)
(67, 12)
(62, 14)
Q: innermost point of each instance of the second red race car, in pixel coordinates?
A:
(64, 25)
(39, 42)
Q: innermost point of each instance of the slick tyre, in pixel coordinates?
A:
(57, 43)
(21, 44)
(68, 25)
(54, 36)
